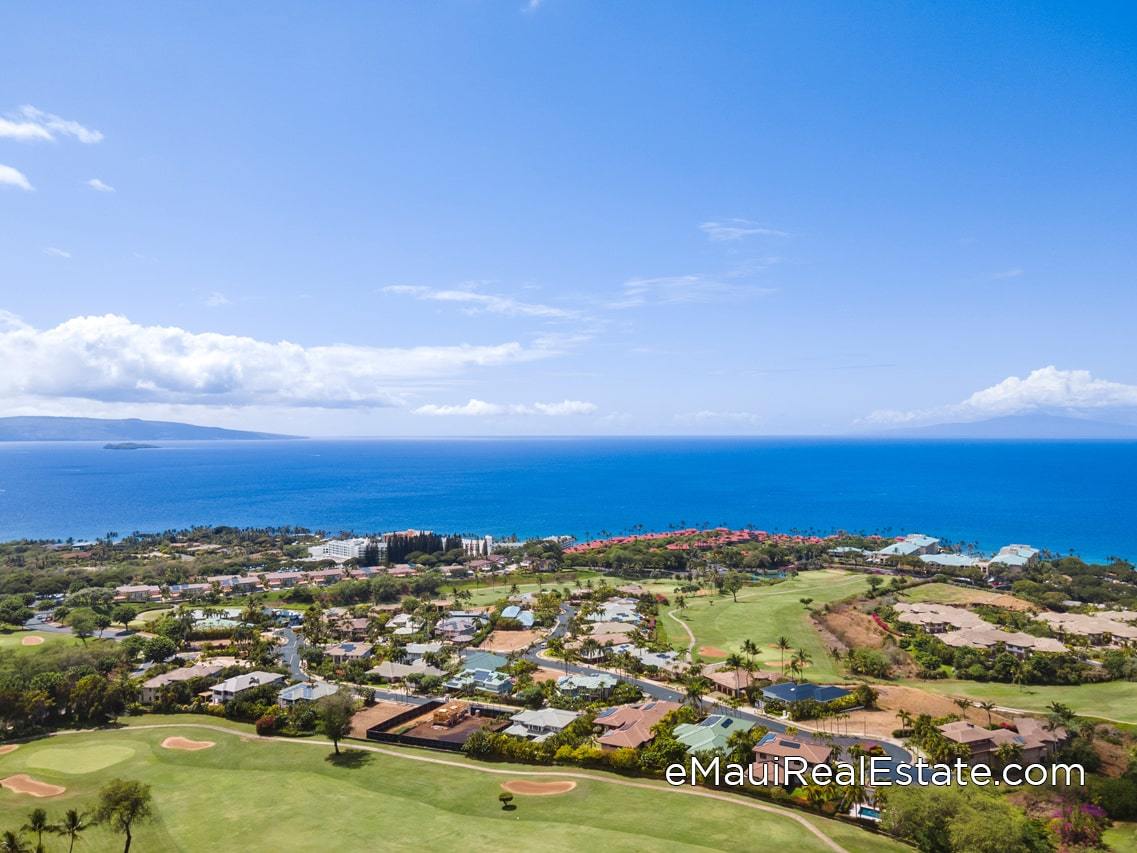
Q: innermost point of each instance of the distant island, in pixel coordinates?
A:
(128, 445)
(1020, 427)
(123, 430)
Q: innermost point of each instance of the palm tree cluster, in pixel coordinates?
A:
(70, 827)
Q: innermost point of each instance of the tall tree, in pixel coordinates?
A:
(334, 713)
(37, 823)
(122, 804)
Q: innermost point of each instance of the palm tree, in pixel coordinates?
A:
(905, 717)
(750, 648)
(734, 661)
(37, 823)
(803, 659)
(783, 647)
(963, 704)
(696, 689)
(12, 843)
(73, 823)
(987, 706)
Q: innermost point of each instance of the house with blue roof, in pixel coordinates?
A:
(306, 691)
(578, 685)
(513, 611)
(484, 680)
(477, 659)
(788, 691)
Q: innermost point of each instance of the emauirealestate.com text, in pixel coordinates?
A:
(873, 772)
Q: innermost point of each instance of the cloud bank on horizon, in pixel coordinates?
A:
(1047, 389)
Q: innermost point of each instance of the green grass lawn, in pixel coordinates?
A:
(1113, 700)
(765, 613)
(484, 594)
(1122, 837)
(13, 641)
(246, 794)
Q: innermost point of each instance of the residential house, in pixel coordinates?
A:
(578, 685)
(152, 687)
(391, 671)
(138, 593)
(189, 591)
(485, 680)
(710, 733)
(306, 691)
(912, 545)
(342, 653)
(238, 684)
(417, 651)
(630, 726)
(404, 625)
(283, 580)
(1099, 628)
(735, 682)
(1031, 740)
(771, 752)
(513, 611)
(541, 724)
(478, 659)
(1016, 556)
(789, 691)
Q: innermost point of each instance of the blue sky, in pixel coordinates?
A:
(568, 217)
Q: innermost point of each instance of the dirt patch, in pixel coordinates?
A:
(505, 642)
(8, 747)
(711, 652)
(894, 698)
(854, 629)
(546, 674)
(186, 744)
(378, 713)
(31, 641)
(538, 789)
(24, 784)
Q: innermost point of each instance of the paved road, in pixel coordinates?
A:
(290, 653)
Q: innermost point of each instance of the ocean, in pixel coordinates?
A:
(1060, 495)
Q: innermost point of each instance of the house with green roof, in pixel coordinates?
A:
(711, 733)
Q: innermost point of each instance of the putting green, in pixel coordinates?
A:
(83, 759)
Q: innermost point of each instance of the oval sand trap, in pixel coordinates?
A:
(186, 743)
(24, 784)
(8, 747)
(33, 640)
(83, 759)
(538, 789)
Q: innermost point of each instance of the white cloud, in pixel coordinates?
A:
(56, 252)
(1047, 389)
(1013, 272)
(108, 358)
(480, 408)
(475, 301)
(22, 131)
(681, 289)
(737, 229)
(99, 186)
(14, 178)
(216, 300)
(30, 124)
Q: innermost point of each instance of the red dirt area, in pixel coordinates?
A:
(505, 642)
(8, 747)
(24, 784)
(186, 744)
(711, 652)
(538, 789)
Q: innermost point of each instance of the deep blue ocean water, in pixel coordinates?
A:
(1057, 495)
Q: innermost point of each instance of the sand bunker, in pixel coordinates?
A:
(186, 743)
(8, 747)
(712, 652)
(24, 784)
(31, 641)
(538, 789)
